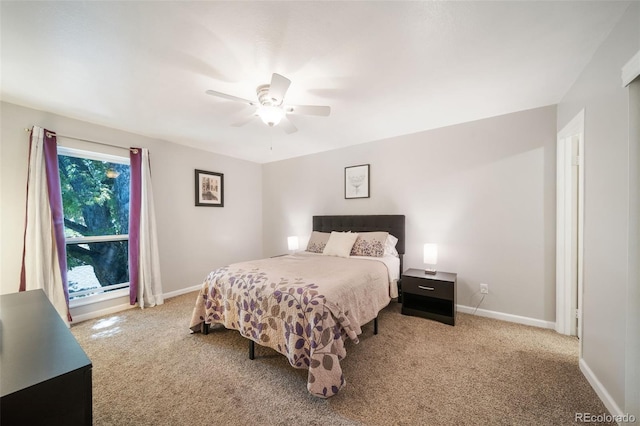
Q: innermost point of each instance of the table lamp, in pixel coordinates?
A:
(292, 243)
(430, 257)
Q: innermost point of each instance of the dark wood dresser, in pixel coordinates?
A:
(46, 376)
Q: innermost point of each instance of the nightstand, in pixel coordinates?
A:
(429, 296)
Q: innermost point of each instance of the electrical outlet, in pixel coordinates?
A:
(484, 288)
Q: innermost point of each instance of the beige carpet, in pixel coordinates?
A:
(149, 370)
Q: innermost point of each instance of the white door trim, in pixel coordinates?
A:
(632, 347)
(631, 70)
(565, 223)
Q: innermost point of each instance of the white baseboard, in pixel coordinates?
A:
(182, 291)
(101, 312)
(601, 391)
(119, 308)
(506, 317)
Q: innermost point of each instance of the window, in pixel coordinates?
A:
(95, 199)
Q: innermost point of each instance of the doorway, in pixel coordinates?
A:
(569, 229)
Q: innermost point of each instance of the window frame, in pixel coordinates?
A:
(121, 289)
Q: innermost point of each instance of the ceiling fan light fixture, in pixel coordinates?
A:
(270, 114)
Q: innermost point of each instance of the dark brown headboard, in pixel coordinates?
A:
(393, 224)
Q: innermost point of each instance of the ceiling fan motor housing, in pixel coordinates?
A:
(263, 96)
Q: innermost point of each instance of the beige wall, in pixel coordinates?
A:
(607, 215)
(193, 240)
(484, 191)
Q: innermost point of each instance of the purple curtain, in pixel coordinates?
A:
(135, 203)
(50, 149)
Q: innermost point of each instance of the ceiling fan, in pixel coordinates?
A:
(270, 105)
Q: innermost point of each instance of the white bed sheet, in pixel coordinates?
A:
(391, 262)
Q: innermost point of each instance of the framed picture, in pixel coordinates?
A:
(209, 189)
(356, 181)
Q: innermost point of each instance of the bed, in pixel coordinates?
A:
(306, 305)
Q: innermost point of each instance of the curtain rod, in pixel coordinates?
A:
(49, 134)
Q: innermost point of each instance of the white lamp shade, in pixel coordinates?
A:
(271, 115)
(292, 242)
(431, 254)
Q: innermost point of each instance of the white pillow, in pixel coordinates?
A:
(390, 246)
(340, 244)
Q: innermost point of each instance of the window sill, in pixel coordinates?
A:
(83, 301)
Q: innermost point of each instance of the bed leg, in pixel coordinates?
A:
(204, 328)
(252, 349)
(375, 325)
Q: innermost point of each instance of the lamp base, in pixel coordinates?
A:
(430, 271)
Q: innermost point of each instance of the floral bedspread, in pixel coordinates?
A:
(303, 305)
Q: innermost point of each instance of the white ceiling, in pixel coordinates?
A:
(385, 68)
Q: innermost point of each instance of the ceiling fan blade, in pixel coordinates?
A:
(278, 87)
(229, 97)
(308, 110)
(287, 126)
(244, 120)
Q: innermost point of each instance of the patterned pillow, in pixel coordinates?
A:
(318, 241)
(370, 244)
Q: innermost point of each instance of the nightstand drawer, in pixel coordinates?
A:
(428, 288)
